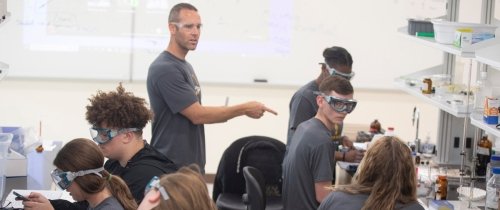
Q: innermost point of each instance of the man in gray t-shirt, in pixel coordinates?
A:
(308, 163)
(338, 61)
(175, 95)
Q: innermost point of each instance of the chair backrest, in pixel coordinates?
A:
(254, 182)
(263, 153)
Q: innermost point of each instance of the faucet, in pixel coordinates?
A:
(416, 122)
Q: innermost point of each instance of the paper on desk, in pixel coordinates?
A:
(345, 165)
(360, 146)
(49, 194)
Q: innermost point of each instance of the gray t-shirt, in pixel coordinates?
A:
(308, 160)
(109, 203)
(342, 200)
(303, 107)
(172, 86)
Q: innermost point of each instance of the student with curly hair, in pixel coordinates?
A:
(117, 119)
(183, 190)
(385, 179)
(85, 178)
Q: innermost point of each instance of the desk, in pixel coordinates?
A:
(460, 205)
(18, 182)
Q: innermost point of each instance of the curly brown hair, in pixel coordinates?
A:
(118, 109)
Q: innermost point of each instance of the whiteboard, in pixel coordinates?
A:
(280, 41)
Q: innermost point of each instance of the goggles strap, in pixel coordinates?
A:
(163, 193)
(85, 172)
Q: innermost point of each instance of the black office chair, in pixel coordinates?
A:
(255, 198)
(264, 153)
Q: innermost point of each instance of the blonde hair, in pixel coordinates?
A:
(386, 173)
(186, 189)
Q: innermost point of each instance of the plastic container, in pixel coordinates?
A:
(389, 131)
(491, 190)
(415, 26)
(444, 31)
(494, 163)
(5, 140)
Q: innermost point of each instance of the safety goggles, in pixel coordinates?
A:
(155, 183)
(188, 26)
(63, 179)
(335, 72)
(339, 104)
(104, 135)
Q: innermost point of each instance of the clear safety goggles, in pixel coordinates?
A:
(63, 179)
(339, 104)
(104, 135)
(155, 183)
(334, 72)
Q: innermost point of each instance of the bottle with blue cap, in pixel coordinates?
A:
(494, 162)
(492, 189)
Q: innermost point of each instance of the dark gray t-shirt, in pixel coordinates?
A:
(172, 86)
(303, 107)
(109, 203)
(308, 160)
(342, 200)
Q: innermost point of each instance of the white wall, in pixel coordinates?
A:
(60, 106)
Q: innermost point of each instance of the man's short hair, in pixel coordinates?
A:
(173, 17)
(337, 55)
(336, 83)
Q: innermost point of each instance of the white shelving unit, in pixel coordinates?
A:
(442, 102)
(489, 55)
(447, 103)
(476, 119)
(431, 42)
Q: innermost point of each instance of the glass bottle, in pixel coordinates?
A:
(427, 86)
(483, 155)
(441, 187)
(482, 91)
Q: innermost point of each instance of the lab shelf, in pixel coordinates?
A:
(403, 83)
(431, 42)
(490, 55)
(476, 119)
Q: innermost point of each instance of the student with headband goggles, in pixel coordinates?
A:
(187, 191)
(338, 104)
(104, 135)
(334, 72)
(63, 179)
